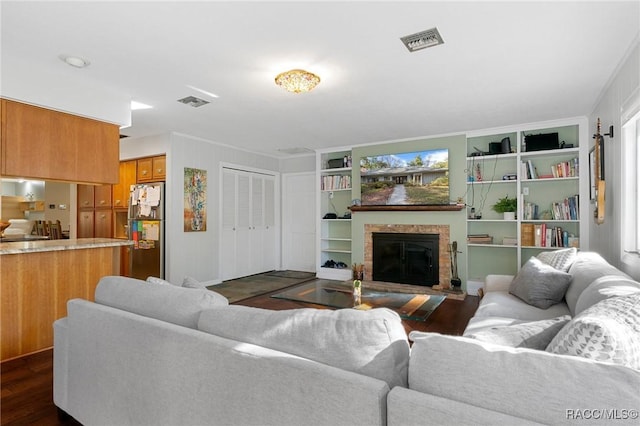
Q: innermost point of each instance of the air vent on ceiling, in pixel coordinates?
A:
(422, 40)
(193, 101)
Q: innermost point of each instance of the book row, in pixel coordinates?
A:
(564, 169)
(567, 209)
(541, 235)
(330, 182)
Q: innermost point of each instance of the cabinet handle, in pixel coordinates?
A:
(117, 202)
(159, 170)
(102, 202)
(86, 203)
(144, 172)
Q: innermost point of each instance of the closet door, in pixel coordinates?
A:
(228, 257)
(249, 244)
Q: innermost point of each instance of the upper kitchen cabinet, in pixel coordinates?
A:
(127, 178)
(152, 169)
(44, 144)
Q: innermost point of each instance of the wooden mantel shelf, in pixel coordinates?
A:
(449, 208)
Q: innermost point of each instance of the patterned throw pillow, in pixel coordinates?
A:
(559, 259)
(532, 335)
(607, 331)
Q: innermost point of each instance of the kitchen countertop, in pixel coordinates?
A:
(21, 247)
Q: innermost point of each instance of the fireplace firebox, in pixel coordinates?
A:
(406, 258)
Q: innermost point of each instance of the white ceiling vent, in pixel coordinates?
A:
(193, 101)
(422, 40)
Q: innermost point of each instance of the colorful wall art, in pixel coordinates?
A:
(195, 200)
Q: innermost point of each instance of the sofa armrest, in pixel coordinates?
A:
(60, 362)
(495, 282)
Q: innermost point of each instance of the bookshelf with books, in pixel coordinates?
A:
(334, 239)
(551, 188)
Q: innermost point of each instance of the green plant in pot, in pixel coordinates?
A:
(507, 206)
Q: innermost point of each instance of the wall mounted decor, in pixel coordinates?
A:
(195, 200)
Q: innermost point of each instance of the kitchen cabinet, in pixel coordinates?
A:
(127, 177)
(40, 143)
(102, 223)
(102, 196)
(86, 196)
(151, 169)
(85, 224)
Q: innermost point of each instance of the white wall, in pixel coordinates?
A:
(195, 254)
(606, 238)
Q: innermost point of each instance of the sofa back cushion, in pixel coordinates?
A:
(177, 305)
(373, 343)
(604, 288)
(587, 267)
(527, 383)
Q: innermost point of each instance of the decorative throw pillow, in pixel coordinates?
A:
(533, 335)
(559, 259)
(373, 343)
(539, 284)
(608, 331)
(190, 282)
(156, 280)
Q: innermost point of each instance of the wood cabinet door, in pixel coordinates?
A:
(86, 196)
(102, 196)
(46, 144)
(102, 225)
(145, 170)
(159, 168)
(85, 224)
(127, 178)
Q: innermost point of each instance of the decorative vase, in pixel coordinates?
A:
(509, 215)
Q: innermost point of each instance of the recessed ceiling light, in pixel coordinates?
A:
(74, 61)
(135, 105)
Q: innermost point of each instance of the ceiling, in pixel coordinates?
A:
(501, 63)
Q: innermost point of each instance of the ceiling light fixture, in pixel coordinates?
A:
(74, 61)
(422, 40)
(297, 81)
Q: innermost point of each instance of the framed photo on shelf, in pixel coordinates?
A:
(592, 174)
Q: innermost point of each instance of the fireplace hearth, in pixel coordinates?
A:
(406, 258)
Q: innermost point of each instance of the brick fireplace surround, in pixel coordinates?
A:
(443, 246)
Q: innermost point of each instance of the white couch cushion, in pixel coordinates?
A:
(169, 303)
(608, 331)
(604, 288)
(587, 267)
(503, 304)
(532, 334)
(528, 383)
(373, 343)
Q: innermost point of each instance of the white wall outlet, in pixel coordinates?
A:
(62, 206)
(525, 190)
(331, 194)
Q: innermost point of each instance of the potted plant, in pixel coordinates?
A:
(507, 206)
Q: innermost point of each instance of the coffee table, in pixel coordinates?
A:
(412, 306)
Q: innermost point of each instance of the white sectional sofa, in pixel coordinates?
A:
(150, 354)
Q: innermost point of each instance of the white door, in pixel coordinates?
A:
(298, 221)
(248, 243)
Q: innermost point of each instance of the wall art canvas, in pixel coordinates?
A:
(195, 200)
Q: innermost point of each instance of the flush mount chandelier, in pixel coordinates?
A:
(297, 81)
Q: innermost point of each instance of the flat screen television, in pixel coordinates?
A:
(405, 179)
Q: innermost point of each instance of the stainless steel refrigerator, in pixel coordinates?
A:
(146, 230)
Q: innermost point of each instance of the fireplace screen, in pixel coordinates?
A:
(406, 258)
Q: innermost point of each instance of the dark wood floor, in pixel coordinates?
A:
(27, 382)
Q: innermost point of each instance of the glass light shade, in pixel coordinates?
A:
(297, 81)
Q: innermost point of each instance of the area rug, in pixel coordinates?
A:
(256, 285)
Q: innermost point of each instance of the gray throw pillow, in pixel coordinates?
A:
(539, 284)
(190, 282)
(159, 281)
(532, 335)
(559, 259)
